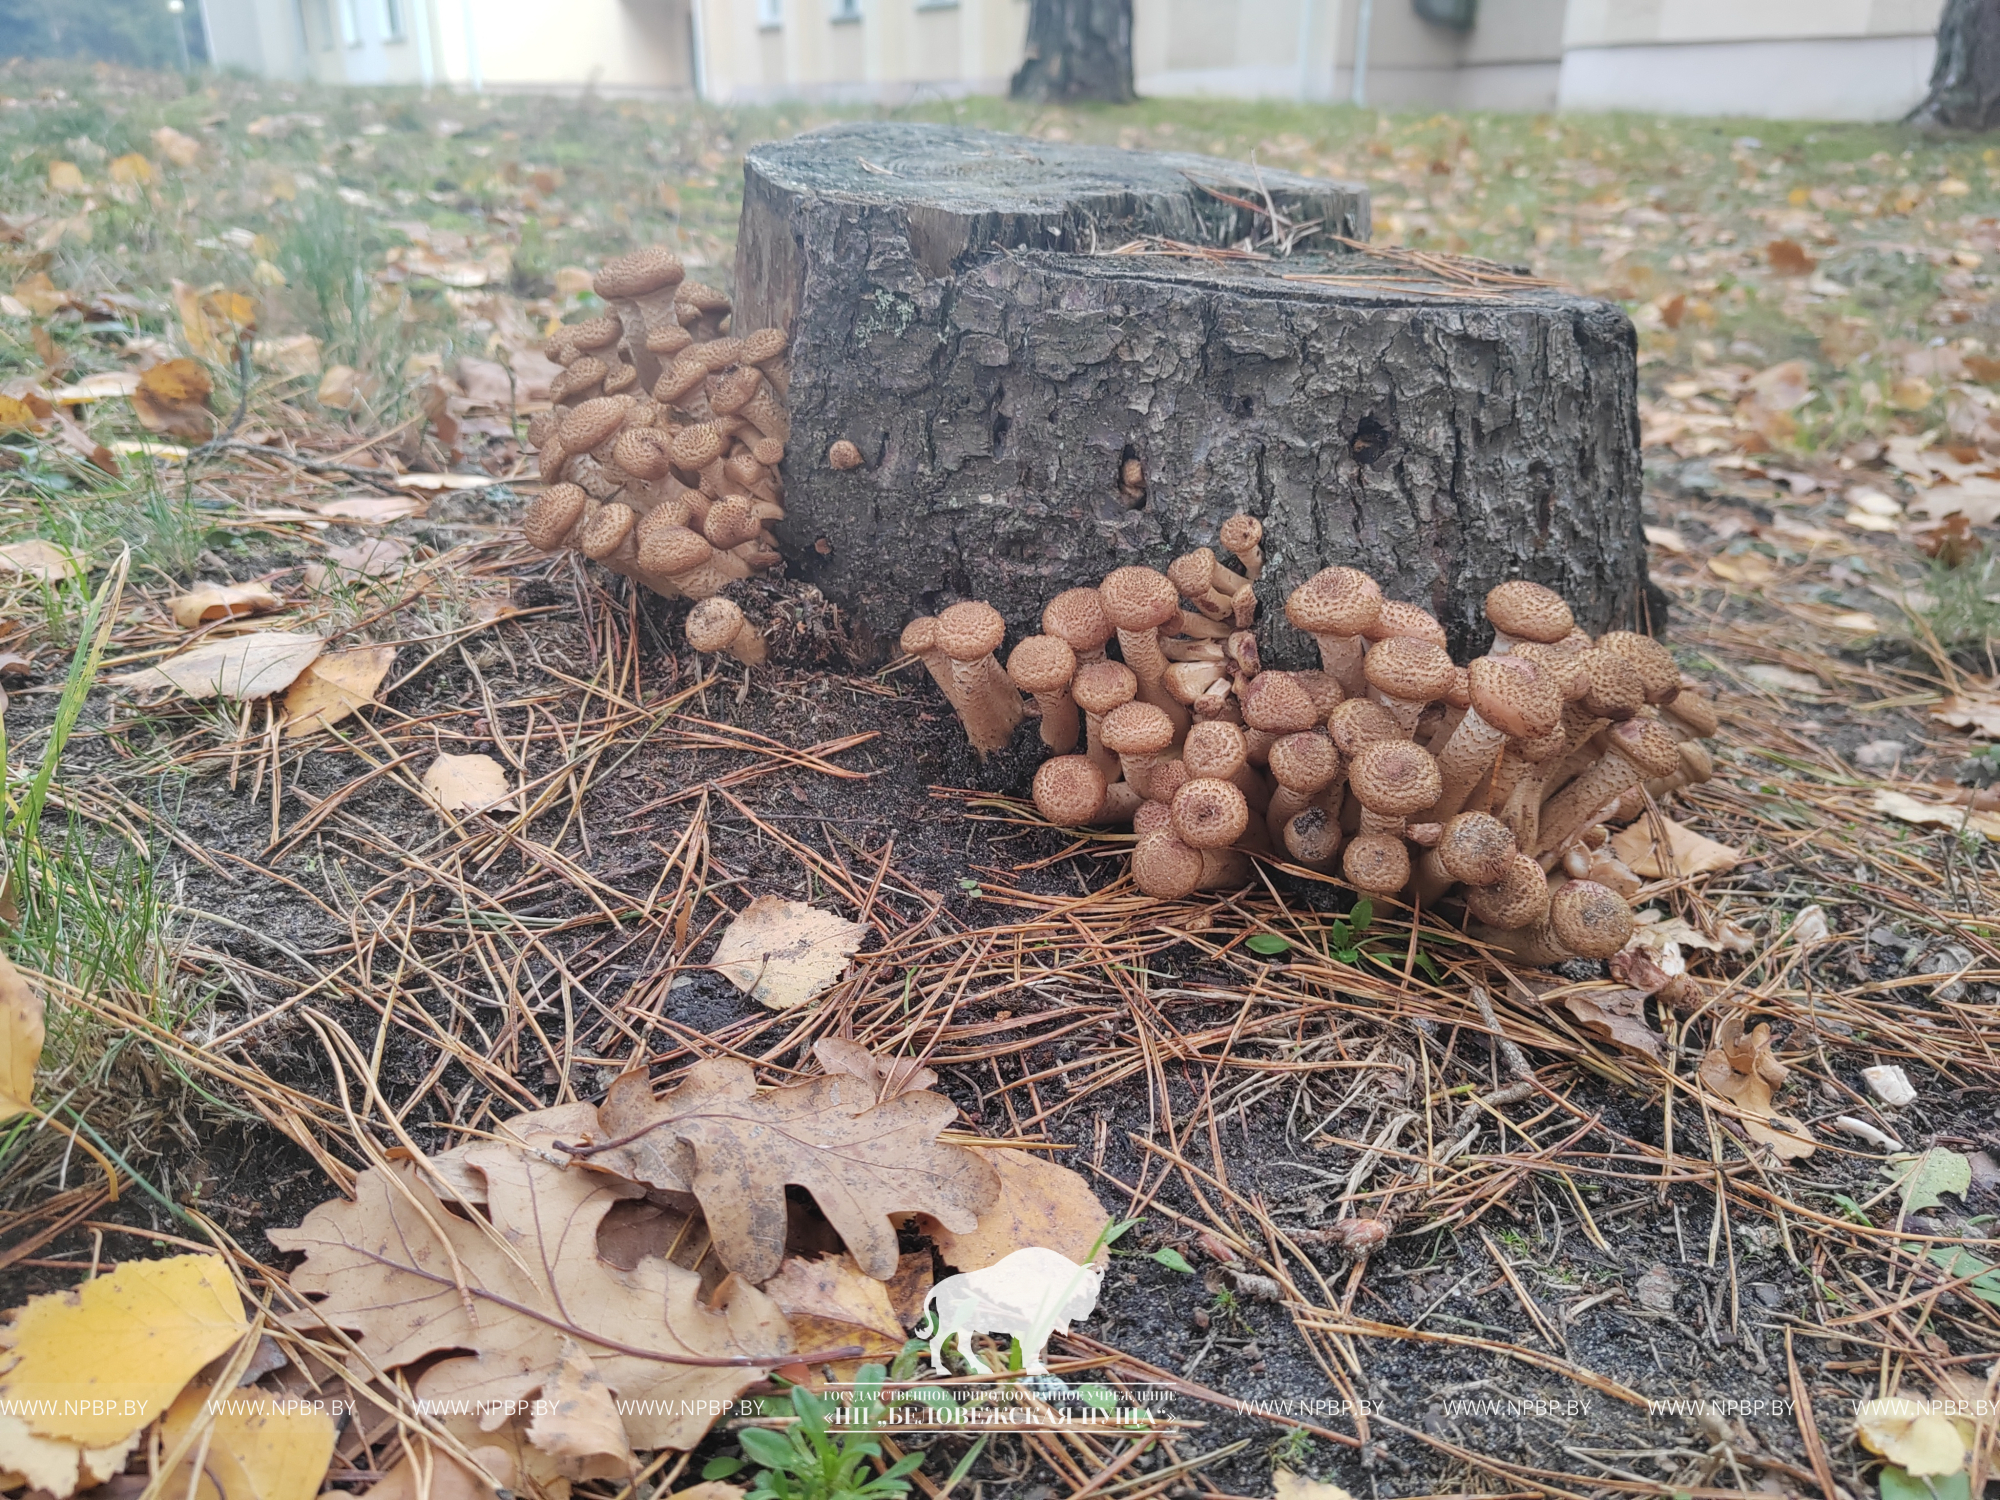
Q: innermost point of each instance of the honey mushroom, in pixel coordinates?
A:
(717, 624)
(988, 704)
(1043, 665)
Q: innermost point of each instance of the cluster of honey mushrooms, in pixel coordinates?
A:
(1489, 784)
(660, 452)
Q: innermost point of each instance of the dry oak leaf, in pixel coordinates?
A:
(334, 686)
(40, 559)
(94, 1365)
(21, 1036)
(1741, 1068)
(222, 601)
(443, 1477)
(737, 1148)
(888, 1075)
(782, 953)
(831, 1304)
(238, 666)
(260, 1447)
(55, 1467)
(468, 783)
(1686, 852)
(1908, 1432)
(577, 1417)
(1908, 809)
(1617, 1016)
(172, 398)
(1040, 1204)
(1977, 710)
(383, 1273)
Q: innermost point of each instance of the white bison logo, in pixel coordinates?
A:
(1030, 1295)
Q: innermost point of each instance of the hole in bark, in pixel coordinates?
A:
(1131, 479)
(1000, 426)
(1371, 442)
(1545, 501)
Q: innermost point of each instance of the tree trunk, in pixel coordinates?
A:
(949, 317)
(1965, 79)
(1077, 49)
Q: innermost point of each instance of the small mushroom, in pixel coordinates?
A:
(1509, 701)
(1044, 665)
(1473, 849)
(716, 624)
(920, 640)
(1518, 898)
(1305, 765)
(1334, 607)
(1520, 610)
(1077, 617)
(987, 702)
(1584, 920)
(1634, 750)
(552, 515)
(1099, 687)
(1137, 733)
(1313, 838)
(1207, 585)
(1400, 619)
(1138, 601)
(1274, 705)
(1405, 675)
(1209, 813)
(1215, 747)
(1243, 537)
(843, 455)
(1377, 863)
(1653, 662)
(1069, 790)
(1392, 780)
(1166, 868)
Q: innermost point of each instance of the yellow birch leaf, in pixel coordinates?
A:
(467, 783)
(334, 686)
(65, 178)
(20, 1039)
(781, 953)
(131, 170)
(1040, 1204)
(222, 601)
(181, 150)
(95, 1365)
(1909, 1433)
(263, 1446)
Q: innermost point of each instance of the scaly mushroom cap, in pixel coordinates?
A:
(1696, 764)
(643, 452)
(1102, 686)
(1335, 601)
(542, 426)
(1136, 598)
(1077, 616)
(1376, 862)
(1069, 790)
(1276, 704)
(970, 630)
(762, 345)
(1695, 712)
(1394, 778)
(583, 373)
(591, 422)
(728, 394)
(1648, 744)
(1166, 778)
(920, 636)
(1408, 670)
(1240, 533)
(1137, 729)
(600, 332)
(1459, 694)
(1476, 848)
(1213, 748)
(1563, 670)
(1525, 611)
(1519, 897)
(1193, 573)
(1359, 722)
(1613, 688)
(551, 515)
(769, 452)
(1323, 688)
(1164, 867)
(713, 624)
(1303, 762)
(600, 536)
(717, 354)
(1042, 664)
(672, 549)
(685, 374)
(844, 455)
(1400, 619)
(696, 446)
(1209, 813)
(731, 522)
(1591, 920)
(620, 379)
(667, 340)
(1511, 696)
(1653, 662)
(702, 297)
(638, 272)
(1152, 817)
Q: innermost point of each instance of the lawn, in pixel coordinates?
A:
(273, 970)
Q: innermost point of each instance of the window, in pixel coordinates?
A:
(770, 14)
(350, 22)
(392, 20)
(841, 11)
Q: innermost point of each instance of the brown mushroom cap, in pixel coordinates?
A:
(920, 636)
(1077, 615)
(1520, 896)
(769, 452)
(620, 378)
(1193, 573)
(716, 354)
(1166, 868)
(1165, 778)
(1511, 696)
(1400, 619)
(844, 455)
(1459, 694)
(643, 452)
(702, 297)
(551, 515)
(667, 340)
(1653, 662)
(731, 522)
(685, 374)
(583, 372)
(762, 345)
(1695, 712)
(638, 272)
(713, 624)
(969, 630)
(1214, 747)
(1613, 688)
(697, 446)
(672, 549)
(1562, 669)
(1042, 664)
(1276, 704)
(1241, 532)
(1476, 848)
(600, 332)
(1069, 790)
(1394, 778)
(1209, 813)
(1591, 920)
(1359, 722)
(591, 422)
(1323, 688)
(1648, 744)
(1335, 601)
(1136, 598)
(1303, 762)
(1137, 728)
(1409, 670)
(728, 394)
(599, 536)
(1101, 686)
(1152, 817)
(1526, 611)
(1376, 862)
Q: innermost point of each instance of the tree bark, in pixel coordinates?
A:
(1965, 79)
(1077, 49)
(948, 317)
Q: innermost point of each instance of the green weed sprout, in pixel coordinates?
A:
(807, 1462)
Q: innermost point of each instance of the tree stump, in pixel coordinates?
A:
(955, 313)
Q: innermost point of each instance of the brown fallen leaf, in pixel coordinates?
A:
(442, 1476)
(576, 1415)
(1040, 1204)
(830, 1304)
(172, 398)
(222, 601)
(40, 295)
(258, 1446)
(910, 1287)
(238, 666)
(1902, 806)
(1977, 710)
(1687, 852)
(372, 558)
(737, 1148)
(334, 686)
(213, 320)
(374, 510)
(1617, 1016)
(1741, 1068)
(181, 150)
(782, 953)
(294, 356)
(65, 177)
(1751, 569)
(17, 415)
(342, 387)
(132, 169)
(389, 1267)
(21, 1037)
(888, 1075)
(468, 783)
(43, 560)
